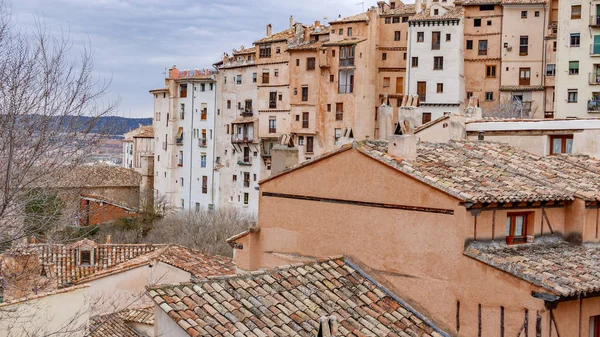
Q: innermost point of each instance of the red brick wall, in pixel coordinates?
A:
(93, 212)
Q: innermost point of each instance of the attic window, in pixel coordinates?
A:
(516, 227)
(85, 257)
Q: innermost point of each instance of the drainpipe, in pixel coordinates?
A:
(191, 146)
(408, 60)
(501, 50)
(212, 185)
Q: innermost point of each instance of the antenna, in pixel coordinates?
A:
(363, 5)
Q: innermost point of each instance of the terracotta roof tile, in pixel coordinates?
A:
(93, 176)
(521, 88)
(111, 325)
(138, 315)
(311, 45)
(564, 269)
(405, 9)
(489, 172)
(277, 37)
(361, 17)
(289, 301)
(452, 13)
(478, 2)
(146, 131)
(523, 2)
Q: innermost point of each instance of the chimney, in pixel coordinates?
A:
(403, 143)
(269, 30)
(283, 157)
(291, 21)
(386, 121)
(328, 327)
(306, 34)
(108, 239)
(317, 23)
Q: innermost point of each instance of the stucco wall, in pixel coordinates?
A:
(165, 326)
(127, 289)
(64, 314)
(419, 255)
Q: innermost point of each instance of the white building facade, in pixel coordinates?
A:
(435, 64)
(578, 60)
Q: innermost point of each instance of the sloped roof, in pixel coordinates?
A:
(277, 37)
(146, 131)
(403, 9)
(487, 172)
(431, 123)
(289, 301)
(478, 2)
(523, 2)
(310, 45)
(138, 315)
(452, 13)
(560, 267)
(521, 88)
(361, 17)
(97, 175)
(111, 325)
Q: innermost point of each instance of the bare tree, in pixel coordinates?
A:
(50, 104)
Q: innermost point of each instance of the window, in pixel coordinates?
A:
(85, 257)
(333, 53)
(414, 62)
(523, 45)
(490, 71)
(310, 63)
(397, 35)
(331, 78)
(234, 178)
(404, 56)
(438, 63)
(537, 14)
(297, 62)
(550, 69)
(422, 91)
(575, 39)
(435, 40)
(489, 96)
(346, 81)
(180, 163)
(575, 12)
(272, 125)
(573, 67)
(440, 87)
(349, 31)
(309, 144)
(277, 50)
(304, 93)
(469, 94)
(246, 197)
(276, 73)
(265, 76)
(523, 14)
(396, 19)
(264, 51)
(328, 107)
(561, 144)
(253, 77)
(341, 31)
(204, 184)
(477, 23)
(339, 111)
(426, 117)
(305, 120)
(182, 203)
(486, 7)
(482, 50)
(524, 76)
(420, 36)
(554, 46)
(595, 326)
(347, 56)
(300, 141)
(203, 160)
(436, 12)
(246, 179)
(337, 135)
(516, 227)
(182, 111)
(388, 21)
(238, 79)
(572, 96)
(405, 19)
(384, 56)
(183, 90)
(386, 82)
(489, 22)
(399, 85)
(448, 37)
(204, 112)
(273, 100)
(469, 45)
(228, 104)
(181, 181)
(197, 207)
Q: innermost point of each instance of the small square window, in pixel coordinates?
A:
(489, 22)
(523, 14)
(575, 12)
(572, 96)
(448, 37)
(420, 36)
(384, 56)
(477, 23)
(469, 44)
(537, 14)
(516, 227)
(489, 96)
(440, 87)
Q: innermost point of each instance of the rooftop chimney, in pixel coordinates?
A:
(403, 143)
(306, 34)
(317, 23)
(328, 327)
(108, 239)
(291, 21)
(269, 30)
(386, 121)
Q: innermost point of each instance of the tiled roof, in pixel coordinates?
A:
(521, 88)
(453, 13)
(478, 2)
(407, 9)
(146, 131)
(523, 2)
(60, 260)
(138, 315)
(289, 301)
(562, 268)
(244, 51)
(431, 123)
(362, 17)
(487, 172)
(311, 45)
(344, 42)
(111, 325)
(93, 176)
(9, 302)
(277, 37)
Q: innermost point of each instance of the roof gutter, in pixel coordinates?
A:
(551, 301)
(395, 298)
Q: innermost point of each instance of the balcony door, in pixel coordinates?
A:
(596, 46)
(524, 76)
(422, 91)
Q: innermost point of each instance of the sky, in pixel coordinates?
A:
(134, 41)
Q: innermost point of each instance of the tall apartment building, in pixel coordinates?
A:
(578, 61)
(138, 155)
(435, 58)
(184, 120)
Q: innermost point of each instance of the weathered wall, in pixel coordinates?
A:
(165, 325)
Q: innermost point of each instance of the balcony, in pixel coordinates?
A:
(595, 21)
(347, 62)
(245, 161)
(346, 88)
(202, 142)
(594, 79)
(593, 105)
(246, 113)
(242, 139)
